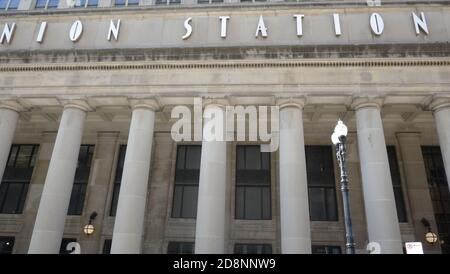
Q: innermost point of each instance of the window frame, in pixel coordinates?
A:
(167, 2)
(245, 186)
(325, 187)
(46, 6)
(179, 246)
(262, 245)
(183, 184)
(24, 183)
(86, 5)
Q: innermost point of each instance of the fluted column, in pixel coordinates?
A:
(210, 225)
(9, 116)
(441, 111)
(129, 223)
(49, 226)
(381, 213)
(294, 206)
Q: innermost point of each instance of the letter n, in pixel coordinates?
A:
(7, 33)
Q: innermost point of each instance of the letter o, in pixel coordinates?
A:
(75, 31)
(376, 24)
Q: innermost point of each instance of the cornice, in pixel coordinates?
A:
(226, 65)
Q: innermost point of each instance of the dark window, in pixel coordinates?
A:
(16, 178)
(187, 172)
(133, 2)
(397, 185)
(252, 249)
(439, 192)
(326, 249)
(117, 180)
(209, 1)
(81, 180)
(321, 183)
(167, 2)
(6, 245)
(3, 4)
(252, 184)
(64, 243)
(80, 3)
(92, 3)
(107, 246)
(180, 248)
(13, 4)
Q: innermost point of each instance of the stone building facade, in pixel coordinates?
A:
(87, 91)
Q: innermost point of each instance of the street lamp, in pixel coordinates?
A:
(89, 228)
(338, 138)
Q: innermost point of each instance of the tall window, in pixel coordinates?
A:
(81, 180)
(439, 192)
(397, 185)
(326, 249)
(252, 1)
(252, 249)
(117, 180)
(252, 184)
(167, 2)
(321, 183)
(180, 248)
(6, 245)
(122, 3)
(64, 243)
(86, 3)
(46, 4)
(187, 174)
(9, 4)
(16, 178)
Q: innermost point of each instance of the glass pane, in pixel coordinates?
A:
(119, 2)
(189, 207)
(12, 199)
(253, 203)
(331, 205)
(240, 196)
(319, 165)
(52, 4)
(326, 249)
(40, 4)
(252, 157)
(180, 248)
(12, 155)
(77, 199)
(133, 2)
(174, 1)
(107, 246)
(181, 155)
(240, 157)
(193, 155)
(80, 3)
(114, 200)
(203, 1)
(161, 2)
(92, 3)
(400, 204)
(217, 1)
(24, 156)
(177, 201)
(13, 4)
(266, 205)
(3, 4)
(252, 249)
(6, 245)
(316, 204)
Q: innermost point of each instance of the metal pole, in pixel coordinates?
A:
(340, 154)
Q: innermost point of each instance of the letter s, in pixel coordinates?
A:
(188, 28)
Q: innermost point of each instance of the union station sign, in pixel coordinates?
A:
(217, 30)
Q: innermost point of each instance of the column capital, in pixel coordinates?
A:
(218, 102)
(439, 102)
(144, 103)
(298, 102)
(76, 103)
(12, 104)
(364, 102)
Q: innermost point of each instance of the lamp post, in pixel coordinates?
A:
(338, 138)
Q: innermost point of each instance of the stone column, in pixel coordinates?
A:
(129, 222)
(441, 111)
(97, 190)
(294, 206)
(9, 115)
(49, 226)
(417, 187)
(210, 225)
(381, 213)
